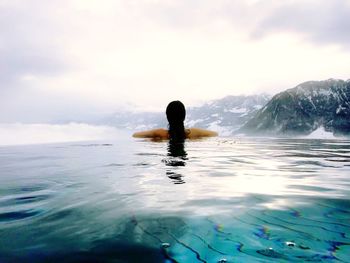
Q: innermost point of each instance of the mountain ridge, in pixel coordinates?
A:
(295, 111)
(226, 115)
(303, 109)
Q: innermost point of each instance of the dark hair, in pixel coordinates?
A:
(176, 113)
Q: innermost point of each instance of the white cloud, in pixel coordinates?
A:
(109, 54)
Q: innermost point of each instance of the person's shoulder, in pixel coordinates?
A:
(197, 133)
(155, 133)
(161, 133)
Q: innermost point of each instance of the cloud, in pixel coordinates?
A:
(63, 59)
(321, 22)
(30, 44)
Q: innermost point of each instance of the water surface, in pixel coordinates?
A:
(215, 200)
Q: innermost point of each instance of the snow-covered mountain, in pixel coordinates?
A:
(134, 120)
(225, 115)
(303, 109)
(297, 111)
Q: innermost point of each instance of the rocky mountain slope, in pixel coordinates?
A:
(303, 109)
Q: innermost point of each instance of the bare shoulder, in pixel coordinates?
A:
(155, 133)
(198, 133)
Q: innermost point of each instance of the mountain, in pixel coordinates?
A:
(303, 109)
(134, 120)
(225, 115)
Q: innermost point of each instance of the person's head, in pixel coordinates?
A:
(176, 113)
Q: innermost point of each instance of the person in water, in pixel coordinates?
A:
(175, 113)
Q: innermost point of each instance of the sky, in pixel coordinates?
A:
(78, 59)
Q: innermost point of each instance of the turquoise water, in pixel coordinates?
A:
(216, 200)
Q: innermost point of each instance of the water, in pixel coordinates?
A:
(215, 200)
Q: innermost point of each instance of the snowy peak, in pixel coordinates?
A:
(227, 114)
(310, 106)
(304, 108)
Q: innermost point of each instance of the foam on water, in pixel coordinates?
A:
(215, 200)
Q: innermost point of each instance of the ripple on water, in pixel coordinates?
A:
(114, 165)
(18, 215)
(21, 203)
(250, 201)
(23, 200)
(92, 145)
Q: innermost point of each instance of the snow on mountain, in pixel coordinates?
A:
(297, 111)
(227, 114)
(305, 108)
(135, 120)
(320, 133)
(224, 115)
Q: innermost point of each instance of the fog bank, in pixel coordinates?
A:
(20, 134)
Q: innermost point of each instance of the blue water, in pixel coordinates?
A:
(214, 200)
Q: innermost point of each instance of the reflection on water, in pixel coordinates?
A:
(177, 149)
(215, 200)
(176, 158)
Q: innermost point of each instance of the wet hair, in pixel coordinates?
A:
(176, 113)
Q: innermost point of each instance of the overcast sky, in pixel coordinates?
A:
(63, 59)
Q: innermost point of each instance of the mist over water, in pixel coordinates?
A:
(239, 200)
(22, 134)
